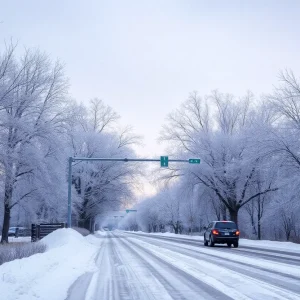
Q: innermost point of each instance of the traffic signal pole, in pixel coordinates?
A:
(70, 193)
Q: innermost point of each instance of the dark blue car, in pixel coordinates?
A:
(222, 232)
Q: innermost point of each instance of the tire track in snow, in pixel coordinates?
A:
(114, 280)
(181, 284)
(282, 280)
(200, 240)
(266, 290)
(284, 257)
(129, 277)
(78, 289)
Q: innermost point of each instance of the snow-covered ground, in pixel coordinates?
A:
(49, 275)
(20, 239)
(125, 265)
(146, 266)
(264, 244)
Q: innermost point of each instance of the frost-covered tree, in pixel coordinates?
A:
(221, 131)
(33, 91)
(249, 153)
(101, 185)
(40, 127)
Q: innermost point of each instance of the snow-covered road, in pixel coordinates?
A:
(137, 266)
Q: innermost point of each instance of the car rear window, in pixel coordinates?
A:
(226, 225)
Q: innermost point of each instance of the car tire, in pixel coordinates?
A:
(236, 244)
(229, 245)
(205, 242)
(211, 243)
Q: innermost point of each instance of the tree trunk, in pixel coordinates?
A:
(254, 231)
(258, 220)
(233, 215)
(7, 202)
(259, 216)
(84, 222)
(176, 229)
(92, 225)
(258, 230)
(161, 228)
(180, 229)
(6, 220)
(224, 212)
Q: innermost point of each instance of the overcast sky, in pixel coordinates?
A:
(143, 58)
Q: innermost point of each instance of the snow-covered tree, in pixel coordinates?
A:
(222, 135)
(101, 185)
(33, 91)
(40, 127)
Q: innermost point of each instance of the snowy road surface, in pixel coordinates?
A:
(136, 266)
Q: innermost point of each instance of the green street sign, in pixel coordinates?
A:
(131, 210)
(194, 160)
(164, 161)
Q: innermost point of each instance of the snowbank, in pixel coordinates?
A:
(63, 237)
(50, 274)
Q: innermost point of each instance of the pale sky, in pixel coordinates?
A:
(143, 58)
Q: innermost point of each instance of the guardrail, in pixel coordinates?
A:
(38, 231)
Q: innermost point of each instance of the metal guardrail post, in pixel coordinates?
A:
(38, 229)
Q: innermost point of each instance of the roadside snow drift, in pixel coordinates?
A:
(50, 274)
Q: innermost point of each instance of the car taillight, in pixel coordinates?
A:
(237, 232)
(216, 232)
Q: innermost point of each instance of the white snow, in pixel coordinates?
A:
(144, 266)
(264, 244)
(273, 245)
(236, 285)
(102, 232)
(125, 261)
(21, 239)
(237, 257)
(41, 276)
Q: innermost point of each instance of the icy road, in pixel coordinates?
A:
(138, 266)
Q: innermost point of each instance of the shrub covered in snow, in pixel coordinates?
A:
(12, 251)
